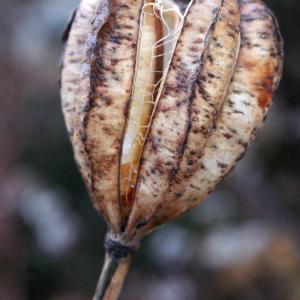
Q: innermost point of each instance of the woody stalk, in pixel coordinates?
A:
(160, 104)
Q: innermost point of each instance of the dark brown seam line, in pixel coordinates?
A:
(216, 118)
(127, 114)
(87, 106)
(150, 130)
(188, 126)
(191, 100)
(279, 41)
(96, 48)
(90, 103)
(182, 149)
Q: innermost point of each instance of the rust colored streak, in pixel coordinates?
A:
(265, 87)
(126, 199)
(263, 76)
(266, 96)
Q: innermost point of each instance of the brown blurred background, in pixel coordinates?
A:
(243, 243)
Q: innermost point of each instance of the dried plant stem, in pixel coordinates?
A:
(112, 277)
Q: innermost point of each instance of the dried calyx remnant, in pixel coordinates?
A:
(160, 103)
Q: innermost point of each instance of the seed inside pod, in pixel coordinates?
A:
(160, 106)
(159, 29)
(170, 125)
(111, 77)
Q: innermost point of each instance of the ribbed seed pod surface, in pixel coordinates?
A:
(161, 103)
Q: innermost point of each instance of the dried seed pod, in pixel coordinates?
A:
(111, 79)
(249, 98)
(160, 105)
(194, 91)
(149, 67)
(154, 56)
(75, 84)
(76, 36)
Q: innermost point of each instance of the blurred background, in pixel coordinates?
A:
(243, 243)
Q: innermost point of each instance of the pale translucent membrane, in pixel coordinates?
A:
(161, 23)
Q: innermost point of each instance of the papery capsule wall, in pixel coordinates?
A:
(167, 104)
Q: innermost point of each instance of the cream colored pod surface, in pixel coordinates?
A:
(160, 105)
